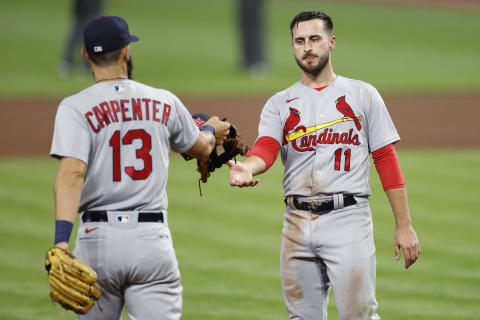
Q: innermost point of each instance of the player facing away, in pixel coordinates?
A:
(113, 141)
(326, 126)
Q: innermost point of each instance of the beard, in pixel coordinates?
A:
(314, 70)
(129, 67)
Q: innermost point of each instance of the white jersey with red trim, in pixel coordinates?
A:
(326, 136)
(123, 131)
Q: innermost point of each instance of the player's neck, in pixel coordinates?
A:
(109, 73)
(324, 78)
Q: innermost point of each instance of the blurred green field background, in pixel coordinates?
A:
(192, 47)
(229, 254)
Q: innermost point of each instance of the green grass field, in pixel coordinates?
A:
(228, 241)
(191, 47)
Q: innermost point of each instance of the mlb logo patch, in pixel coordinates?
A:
(98, 49)
(119, 87)
(123, 219)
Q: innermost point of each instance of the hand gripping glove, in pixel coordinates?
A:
(72, 282)
(221, 154)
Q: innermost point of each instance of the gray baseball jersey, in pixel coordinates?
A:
(326, 136)
(123, 131)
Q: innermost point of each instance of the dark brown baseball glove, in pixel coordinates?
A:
(221, 154)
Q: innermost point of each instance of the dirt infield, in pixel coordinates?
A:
(422, 121)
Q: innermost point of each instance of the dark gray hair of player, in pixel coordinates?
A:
(310, 15)
(105, 59)
(108, 58)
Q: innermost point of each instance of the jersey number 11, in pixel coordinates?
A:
(338, 159)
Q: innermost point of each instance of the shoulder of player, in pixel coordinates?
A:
(354, 83)
(282, 96)
(76, 100)
(163, 94)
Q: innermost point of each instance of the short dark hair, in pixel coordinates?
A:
(310, 15)
(107, 58)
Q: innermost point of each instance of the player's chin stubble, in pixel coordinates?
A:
(314, 70)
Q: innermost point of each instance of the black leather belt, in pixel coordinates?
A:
(101, 216)
(321, 207)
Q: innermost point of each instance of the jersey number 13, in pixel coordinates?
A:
(141, 153)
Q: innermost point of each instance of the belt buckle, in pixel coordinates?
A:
(315, 207)
(312, 207)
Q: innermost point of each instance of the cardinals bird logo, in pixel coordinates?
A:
(347, 111)
(292, 121)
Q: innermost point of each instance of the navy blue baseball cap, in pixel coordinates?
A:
(106, 34)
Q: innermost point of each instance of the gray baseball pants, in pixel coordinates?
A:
(330, 250)
(136, 267)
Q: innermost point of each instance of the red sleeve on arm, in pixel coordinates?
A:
(388, 168)
(266, 148)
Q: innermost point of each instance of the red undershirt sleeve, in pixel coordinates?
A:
(267, 149)
(388, 168)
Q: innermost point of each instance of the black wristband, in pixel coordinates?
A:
(63, 230)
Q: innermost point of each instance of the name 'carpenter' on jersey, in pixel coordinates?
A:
(137, 109)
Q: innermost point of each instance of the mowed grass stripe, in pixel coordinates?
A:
(228, 241)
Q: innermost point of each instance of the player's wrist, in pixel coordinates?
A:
(209, 128)
(62, 245)
(63, 230)
(403, 225)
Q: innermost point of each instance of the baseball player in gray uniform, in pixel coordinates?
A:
(113, 139)
(326, 126)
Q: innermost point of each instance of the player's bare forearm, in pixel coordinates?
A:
(203, 146)
(255, 164)
(405, 238)
(399, 201)
(68, 188)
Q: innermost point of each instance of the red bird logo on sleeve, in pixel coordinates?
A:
(347, 111)
(292, 121)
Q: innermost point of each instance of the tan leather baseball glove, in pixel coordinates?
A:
(72, 282)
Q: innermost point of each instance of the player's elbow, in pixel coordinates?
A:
(69, 179)
(71, 174)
